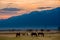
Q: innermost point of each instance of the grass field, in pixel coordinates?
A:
(46, 37)
(52, 35)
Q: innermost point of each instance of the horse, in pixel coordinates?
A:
(17, 34)
(33, 34)
(42, 34)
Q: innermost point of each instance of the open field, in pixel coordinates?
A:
(47, 36)
(31, 38)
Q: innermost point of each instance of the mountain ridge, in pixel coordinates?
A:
(35, 18)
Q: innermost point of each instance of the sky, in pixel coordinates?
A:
(24, 6)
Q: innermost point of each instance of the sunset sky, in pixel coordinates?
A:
(25, 6)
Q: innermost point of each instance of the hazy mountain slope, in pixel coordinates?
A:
(35, 18)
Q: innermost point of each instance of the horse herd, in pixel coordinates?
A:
(31, 34)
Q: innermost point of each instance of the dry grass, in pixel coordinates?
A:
(46, 37)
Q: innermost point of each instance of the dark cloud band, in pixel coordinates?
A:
(11, 9)
(43, 7)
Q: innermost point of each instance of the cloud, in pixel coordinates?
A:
(5, 12)
(43, 7)
(11, 9)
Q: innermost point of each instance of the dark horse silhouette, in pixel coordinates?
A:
(17, 34)
(42, 34)
(37, 34)
(33, 34)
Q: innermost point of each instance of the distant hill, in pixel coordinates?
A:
(34, 19)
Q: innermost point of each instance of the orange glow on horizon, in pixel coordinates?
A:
(27, 5)
(4, 16)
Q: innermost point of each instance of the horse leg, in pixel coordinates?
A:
(43, 35)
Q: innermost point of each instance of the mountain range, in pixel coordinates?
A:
(34, 19)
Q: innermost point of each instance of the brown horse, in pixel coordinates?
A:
(42, 34)
(17, 34)
(33, 34)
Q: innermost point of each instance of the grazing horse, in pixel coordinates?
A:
(42, 34)
(33, 34)
(17, 34)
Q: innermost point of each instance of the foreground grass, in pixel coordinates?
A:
(30, 38)
(46, 37)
